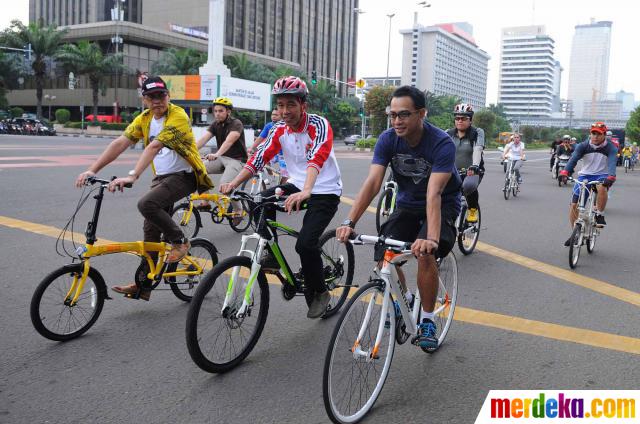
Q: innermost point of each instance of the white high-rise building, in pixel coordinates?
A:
(529, 74)
(445, 60)
(589, 67)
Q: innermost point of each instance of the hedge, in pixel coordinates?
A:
(63, 116)
(367, 143)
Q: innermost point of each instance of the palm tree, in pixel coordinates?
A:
(179, 62)
(241, 66)
(10, 71)
(87, 58)
(44, 41)
(322, 96)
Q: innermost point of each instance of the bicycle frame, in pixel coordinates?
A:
(139, 248)
(586, 202)
(391, 184)
(221, 201)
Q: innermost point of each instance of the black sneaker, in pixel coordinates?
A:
(318, 306)
(600, 222)
(568, 242)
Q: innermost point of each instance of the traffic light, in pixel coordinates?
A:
(314, 77)
(361, 112)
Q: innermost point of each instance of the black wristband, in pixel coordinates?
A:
(435, 241)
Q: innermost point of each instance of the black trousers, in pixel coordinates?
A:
(320, 211)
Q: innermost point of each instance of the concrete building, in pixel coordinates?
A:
(627, 100)
(602, 110)
(589, 67)
(529, 75)
(445, 60)
(302, 34)
(374, 81)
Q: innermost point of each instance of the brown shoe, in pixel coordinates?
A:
(130, 290)
(178, 251)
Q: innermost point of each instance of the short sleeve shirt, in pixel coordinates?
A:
(412, 166)
(222, 129)
(265, 131)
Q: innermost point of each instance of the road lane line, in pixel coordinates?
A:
(589, 283)
(583, 281)
(462, 314)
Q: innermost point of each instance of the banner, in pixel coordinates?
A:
(246, 94)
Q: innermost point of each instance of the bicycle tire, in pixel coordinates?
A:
(466, 247)
(192, 226)
(246, 219)
(183, 287)
(342, 345)
(447, 295)
(507, 189)
(82, 321)
(333, 248)
(591, 241)
(217, 278)
(574, 247)
(384, 208)
(515, 189)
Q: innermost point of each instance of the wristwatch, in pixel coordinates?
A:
(348, 223)
(132, 173)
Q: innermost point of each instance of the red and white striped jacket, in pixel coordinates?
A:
(311, 145)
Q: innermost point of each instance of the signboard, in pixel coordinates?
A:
(246, 94)
(361, 83)
(208, 87)
(351, 82)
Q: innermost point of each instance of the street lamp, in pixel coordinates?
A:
(390, 16)
(51, 99)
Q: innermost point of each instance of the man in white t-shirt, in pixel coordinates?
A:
(171, 149)
(514, 151)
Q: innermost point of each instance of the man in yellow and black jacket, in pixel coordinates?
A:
(170, 148)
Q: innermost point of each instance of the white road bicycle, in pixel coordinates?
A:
(361, 348)
(584, 230)
(511, 184)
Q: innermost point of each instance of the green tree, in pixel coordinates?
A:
(44, 41)
(62, 116)
(632, 128)
(376, 101)
(448, 104)
(501, 125)
(10, 70)
(284, 71)
(528, 133)
(486, 120)
(322, 97)
(341, 117)
(434, 104)
(442, 121)
(174, 61)
(86, 58)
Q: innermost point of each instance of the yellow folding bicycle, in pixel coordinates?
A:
(69, 300)
(187, 214)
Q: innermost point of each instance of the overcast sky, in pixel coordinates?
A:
(488, 17)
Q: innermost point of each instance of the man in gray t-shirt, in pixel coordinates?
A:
(469, 142)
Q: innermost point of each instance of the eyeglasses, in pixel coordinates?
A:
(156, 96)
(405, 114)
(461, 118)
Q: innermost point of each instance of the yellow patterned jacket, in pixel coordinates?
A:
(176, 135)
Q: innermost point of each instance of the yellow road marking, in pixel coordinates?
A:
(598, 286)
(462, 314)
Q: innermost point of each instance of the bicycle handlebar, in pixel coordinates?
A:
(585, 183)
(362, 239)
(96, 180)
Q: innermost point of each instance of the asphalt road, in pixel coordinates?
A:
(523, 320)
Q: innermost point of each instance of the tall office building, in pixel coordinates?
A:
(589, 67)
(304, 34)
(445, 60)
(529, 74)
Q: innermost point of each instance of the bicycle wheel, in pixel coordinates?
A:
(351, 361)
(338, 263)
(554, 172)
(507, 189)
(469, 233)
(384, 208)
(574, 247)
(515, 189)
(189, 224)
(626, 166)
(591, 241)
(242, 225)
(54, 319)
(202, 252)
(447, 297)
(218, 340)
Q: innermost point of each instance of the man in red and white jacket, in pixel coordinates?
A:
(306, 141)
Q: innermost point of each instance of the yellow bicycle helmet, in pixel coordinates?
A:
(223, 101)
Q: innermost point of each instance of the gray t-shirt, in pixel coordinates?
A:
(464, 148)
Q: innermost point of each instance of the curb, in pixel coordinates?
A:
(84, 135)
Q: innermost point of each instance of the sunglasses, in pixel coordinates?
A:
(461, 118)
(156, 96)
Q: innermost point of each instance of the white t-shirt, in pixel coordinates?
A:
(167, 161)
(515, 152)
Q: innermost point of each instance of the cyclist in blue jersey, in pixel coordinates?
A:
(422, 158)
(279, 158)
(599, 158)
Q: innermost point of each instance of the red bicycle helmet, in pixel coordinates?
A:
(290, 85)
